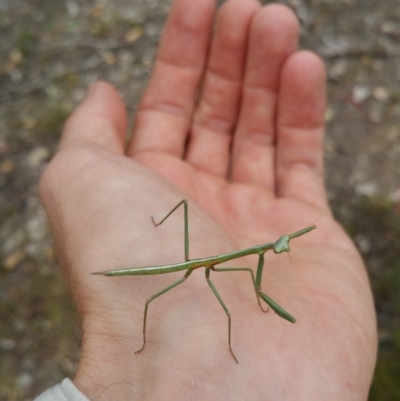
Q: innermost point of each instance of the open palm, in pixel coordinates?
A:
(246, 150)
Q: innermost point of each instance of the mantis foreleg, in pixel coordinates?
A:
(276, 308)
(152, 298)
(214, 290)
(269, 301)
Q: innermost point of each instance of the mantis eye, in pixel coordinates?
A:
(282, 245)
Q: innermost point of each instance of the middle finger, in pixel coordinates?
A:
(273, 38)
(216, 115)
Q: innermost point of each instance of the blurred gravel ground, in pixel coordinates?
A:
(50, 52)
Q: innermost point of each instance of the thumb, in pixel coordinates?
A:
(100, 120)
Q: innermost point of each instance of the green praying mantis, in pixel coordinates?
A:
(209, 263)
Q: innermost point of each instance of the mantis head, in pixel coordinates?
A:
(282, 245)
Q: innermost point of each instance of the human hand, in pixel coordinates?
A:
(247, 153)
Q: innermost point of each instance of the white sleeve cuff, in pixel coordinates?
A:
(64, 391)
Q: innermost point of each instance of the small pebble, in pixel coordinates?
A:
(54, 92)
(366, 189)
(338, 70)
(29, 122)
(25, 380)
(391, 28)
(13, 260)
(72, 8)
(37, 156)
(134, 34)
(16, 56)
(329, 114)
(393, 133)
(16, 75)
(6, 167)
(360, 94)
(109, 58)
(395, 196)
(36, 228)
(364, 244)
(7, 344)
(380, 93)
(13, 242)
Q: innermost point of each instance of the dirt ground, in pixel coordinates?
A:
(50, 52)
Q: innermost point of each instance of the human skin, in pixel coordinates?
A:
(246, 151)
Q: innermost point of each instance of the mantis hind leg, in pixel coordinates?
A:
(185, 205)
(214, 290)
(244, 269)
(152, 298)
